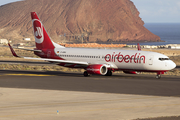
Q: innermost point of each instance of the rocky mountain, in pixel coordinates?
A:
(97, 20)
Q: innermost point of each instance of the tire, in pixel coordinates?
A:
(158, 76)
(109, 73)
(85, 74)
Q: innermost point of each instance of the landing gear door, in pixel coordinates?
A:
(151, 60)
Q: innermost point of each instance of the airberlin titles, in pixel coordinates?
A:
(136, 58)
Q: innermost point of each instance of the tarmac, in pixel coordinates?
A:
(70, 96)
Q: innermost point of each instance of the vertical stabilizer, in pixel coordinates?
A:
(42, 39)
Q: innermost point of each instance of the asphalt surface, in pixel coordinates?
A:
(38, 95)
(120, 84)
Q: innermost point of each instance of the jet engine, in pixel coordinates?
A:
(99, 69)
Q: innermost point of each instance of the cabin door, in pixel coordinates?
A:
(151, 60)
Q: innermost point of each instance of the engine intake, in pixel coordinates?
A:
(99, 69)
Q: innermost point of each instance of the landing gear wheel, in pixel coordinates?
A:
(109, 73)
(85, 74)
(158, 76)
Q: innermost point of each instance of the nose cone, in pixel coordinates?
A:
(171, 65)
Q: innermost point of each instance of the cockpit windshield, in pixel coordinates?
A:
(162, 59)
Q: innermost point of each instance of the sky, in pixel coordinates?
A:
(158, 11)
(151, 11)
(3, 2)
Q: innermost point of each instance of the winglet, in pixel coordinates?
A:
(12, 50)
(139, 47)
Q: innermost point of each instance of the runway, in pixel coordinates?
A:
(74, 96)
(121, 84)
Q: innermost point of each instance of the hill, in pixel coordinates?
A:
(97, 20)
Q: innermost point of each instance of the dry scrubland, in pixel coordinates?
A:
(5, 55)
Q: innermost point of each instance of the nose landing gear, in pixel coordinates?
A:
(158, 76)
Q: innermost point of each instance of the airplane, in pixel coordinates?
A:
(96, 61)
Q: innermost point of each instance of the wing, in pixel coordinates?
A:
(46, 59)
(58, 61)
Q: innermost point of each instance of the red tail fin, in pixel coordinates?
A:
(42, 39)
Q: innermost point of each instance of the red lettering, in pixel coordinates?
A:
(126, 58)
(142, 58)
(131, 58)
(108, 58)
(137, 58)
(115, 57)
(120, 57)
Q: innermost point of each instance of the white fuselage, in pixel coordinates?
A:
(118, 59)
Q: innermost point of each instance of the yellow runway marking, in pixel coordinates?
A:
(29, 75)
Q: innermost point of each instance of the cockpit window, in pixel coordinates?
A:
(164, 59)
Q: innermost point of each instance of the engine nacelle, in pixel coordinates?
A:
(131, 72)
(99, 69)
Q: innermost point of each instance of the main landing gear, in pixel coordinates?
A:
(109, 73)
(85, 74)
